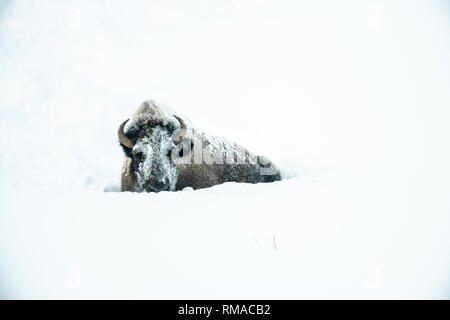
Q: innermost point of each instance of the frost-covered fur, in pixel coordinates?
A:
(157, 163)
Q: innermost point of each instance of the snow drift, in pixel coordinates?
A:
(350, 99)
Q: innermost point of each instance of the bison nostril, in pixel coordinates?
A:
(158, 185)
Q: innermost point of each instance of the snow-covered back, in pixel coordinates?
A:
(350, 99)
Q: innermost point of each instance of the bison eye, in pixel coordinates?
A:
(180, 153)
(138, 154)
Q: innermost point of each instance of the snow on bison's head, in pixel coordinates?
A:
(149, 140)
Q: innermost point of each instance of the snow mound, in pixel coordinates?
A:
(349, 99)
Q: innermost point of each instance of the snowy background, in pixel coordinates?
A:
(350, 99)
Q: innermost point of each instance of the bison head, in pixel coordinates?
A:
(151, 143)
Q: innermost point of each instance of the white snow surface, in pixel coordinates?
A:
(350, 99)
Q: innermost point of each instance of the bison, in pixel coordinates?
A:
(164, 151)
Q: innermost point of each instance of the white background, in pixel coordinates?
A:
(349, 98)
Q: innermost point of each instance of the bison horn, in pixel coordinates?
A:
(123, 138)
(181, 134)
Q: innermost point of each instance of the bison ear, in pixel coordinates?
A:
(127, 182)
